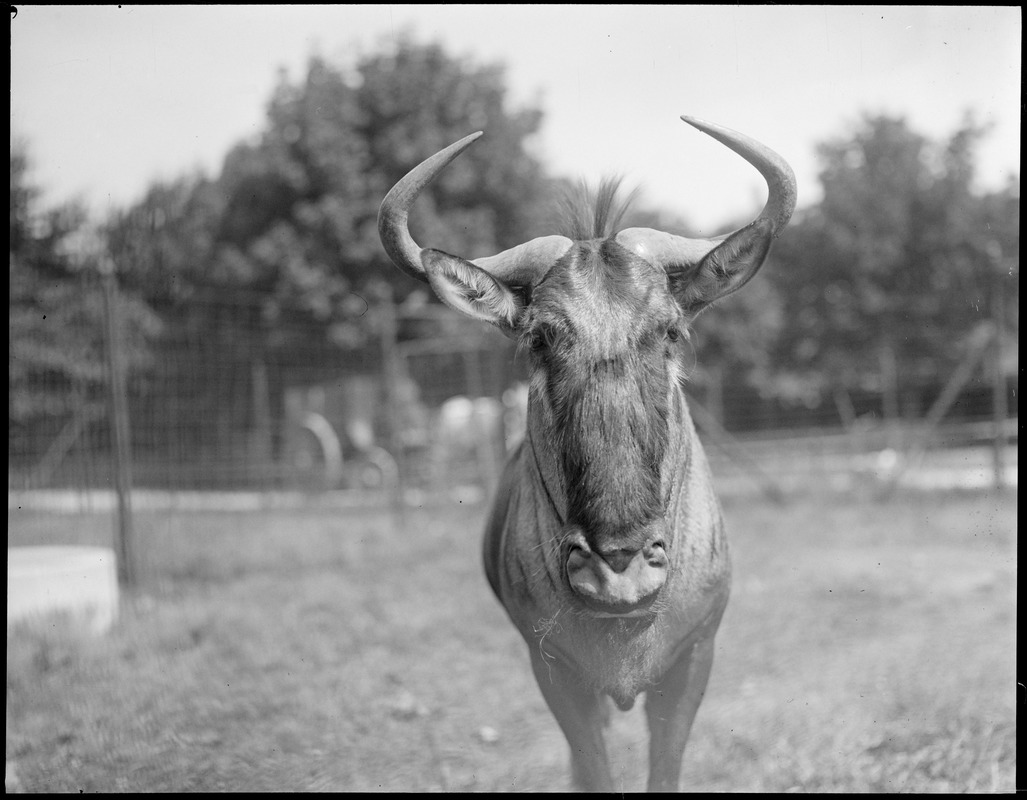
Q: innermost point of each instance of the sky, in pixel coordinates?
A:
(112, 98)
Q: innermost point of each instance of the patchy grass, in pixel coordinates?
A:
(867, 647)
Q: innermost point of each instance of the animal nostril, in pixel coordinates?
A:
(656, 554)
(577, 557)
(619, 559)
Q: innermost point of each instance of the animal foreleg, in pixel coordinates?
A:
(670, 708)
(582, 714)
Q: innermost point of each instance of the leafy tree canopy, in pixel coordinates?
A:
(57, 321)
(895, 264)
(292, 217)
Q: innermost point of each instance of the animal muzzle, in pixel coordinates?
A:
(617, 581)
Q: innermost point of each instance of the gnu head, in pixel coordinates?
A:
(699, 270)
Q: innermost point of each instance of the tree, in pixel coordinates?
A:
(733, 341)
(162, 246)
(274, 267)
(57, 317)
(889, 274)
(292, 217)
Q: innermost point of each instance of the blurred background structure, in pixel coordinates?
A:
(244, 334)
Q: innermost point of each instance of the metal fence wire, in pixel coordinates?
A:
(219, 397)
(224, 401)
(60, 412)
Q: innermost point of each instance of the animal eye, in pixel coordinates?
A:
(541, 338)
(673, 334)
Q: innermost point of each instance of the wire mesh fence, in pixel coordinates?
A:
(225, 401)
(223, 398)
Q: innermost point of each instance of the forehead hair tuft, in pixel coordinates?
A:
(594, 212)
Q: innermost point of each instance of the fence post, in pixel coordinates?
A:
(999, 404)
(120, 448)
(392, 371)
(260, 448)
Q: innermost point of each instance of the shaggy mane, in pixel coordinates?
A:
(594, 213)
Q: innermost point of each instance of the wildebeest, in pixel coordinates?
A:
(605, 543)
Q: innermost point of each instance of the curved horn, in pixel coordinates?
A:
(520, 265)
(395, 208)
(670, 251)
(526, 263)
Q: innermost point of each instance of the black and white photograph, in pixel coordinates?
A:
(513, 398)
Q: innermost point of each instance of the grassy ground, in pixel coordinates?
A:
(867, 647)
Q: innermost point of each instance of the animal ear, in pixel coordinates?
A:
(725, 269)
(472, 291)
